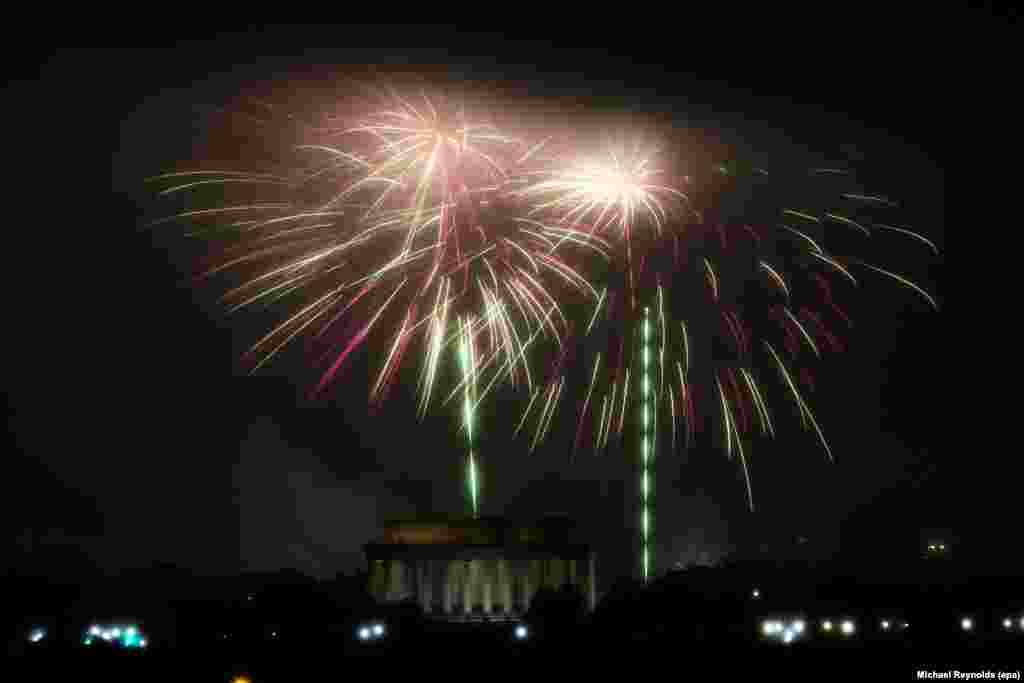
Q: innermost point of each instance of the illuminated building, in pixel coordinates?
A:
(484, 568)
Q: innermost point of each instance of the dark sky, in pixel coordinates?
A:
(138, 440)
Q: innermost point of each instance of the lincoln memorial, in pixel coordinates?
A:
(477, 568)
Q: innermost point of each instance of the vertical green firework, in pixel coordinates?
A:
(469, 402)
(647, 445)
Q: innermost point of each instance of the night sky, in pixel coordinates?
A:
(138, 439)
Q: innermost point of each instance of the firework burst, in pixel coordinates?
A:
(741, 308)
(416, 224)
(404, 229)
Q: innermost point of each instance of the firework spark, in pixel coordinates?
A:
(418, 224)
(666, 248)
(394, 227)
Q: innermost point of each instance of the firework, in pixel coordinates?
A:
(419, 225)
(410, 235)
(753, 295)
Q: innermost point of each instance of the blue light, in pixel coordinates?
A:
(378, 630)
(37, 635)
(364, 633)
(521, 632)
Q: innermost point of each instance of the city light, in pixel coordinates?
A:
(787, 633)
(756, 593)
(369, 631)
(37, 635)
(521, 632)
(885, 624)
(966, 624)
(847, 627)
(1022, 623)
(125, 636)
(826, 625)
(1007, 624)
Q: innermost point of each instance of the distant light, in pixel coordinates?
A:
(378, 629)
(798, 625)
(521, 632)
(88, 641)
(966, 624)
(847, 627)
(1022, 622)
(116, 633)
(364, 633)
(130, 632)
(906, 624)
(788, 637)
(885, 624)
(931, 547)
(107, 635)
(827, 625)
(142, 643)
(756, 593)
(768, 628)
(37, 635)
(273, 634)
(241, 679)
(94, 631)
(942, 547)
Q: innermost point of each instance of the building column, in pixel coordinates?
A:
(425, 580)
(396, 583)
(504, 586)
(487, 581)
(469, 581)
(378, 579)
(448, 578)
(554, 576)
(530, 576)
